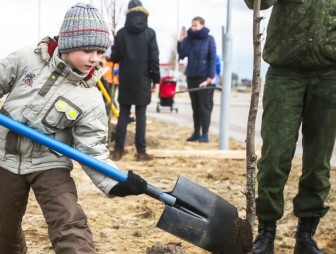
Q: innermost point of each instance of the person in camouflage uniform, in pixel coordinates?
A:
(300, 90)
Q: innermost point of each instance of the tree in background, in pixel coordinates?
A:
(112, 11)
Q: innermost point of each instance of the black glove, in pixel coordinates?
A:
(134, 185)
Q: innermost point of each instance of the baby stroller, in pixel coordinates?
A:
(166, 94)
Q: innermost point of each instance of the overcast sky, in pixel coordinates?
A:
(19, 24)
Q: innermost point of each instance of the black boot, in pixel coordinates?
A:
(305, 244)
(264, 242)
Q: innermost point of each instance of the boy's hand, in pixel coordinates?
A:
(134, 185)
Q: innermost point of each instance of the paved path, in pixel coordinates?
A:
(239, 108)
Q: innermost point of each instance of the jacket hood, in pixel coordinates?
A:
(48, 48)
(136, 20)
(138, 8)
(198, 35)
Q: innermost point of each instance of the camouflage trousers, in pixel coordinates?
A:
(293, 99)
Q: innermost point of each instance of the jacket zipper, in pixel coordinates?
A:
(19, 151)
(19, 154)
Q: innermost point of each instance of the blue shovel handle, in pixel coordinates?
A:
(83, 158)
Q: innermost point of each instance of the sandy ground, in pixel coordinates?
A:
(127, 225)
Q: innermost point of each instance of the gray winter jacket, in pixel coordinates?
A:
(46, 94)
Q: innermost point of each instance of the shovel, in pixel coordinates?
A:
(200, 89)
(191, 212)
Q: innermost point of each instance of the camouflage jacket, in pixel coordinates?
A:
(301, 33)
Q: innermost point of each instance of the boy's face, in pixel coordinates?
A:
(83, 61)
(196, 26)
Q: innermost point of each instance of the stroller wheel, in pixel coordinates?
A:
(176, 110)
(158, 109)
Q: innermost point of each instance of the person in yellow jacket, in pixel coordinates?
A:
(108, 79)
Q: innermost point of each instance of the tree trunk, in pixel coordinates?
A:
(251, 157)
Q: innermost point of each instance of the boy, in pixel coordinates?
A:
(52, 89)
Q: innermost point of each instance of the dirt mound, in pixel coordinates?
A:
(170, 248)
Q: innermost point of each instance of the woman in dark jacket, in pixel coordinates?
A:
(200, 49)
(136, 50)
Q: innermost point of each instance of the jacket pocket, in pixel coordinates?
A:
(12, 140)
(293, 1)
(62, 114)
(3, 134)
(40, 150)
(65, 137)
(42, 154)
(330, 22)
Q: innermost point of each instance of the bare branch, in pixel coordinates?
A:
(112, 11)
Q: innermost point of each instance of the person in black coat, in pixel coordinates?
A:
(199, 47)
(135, 49)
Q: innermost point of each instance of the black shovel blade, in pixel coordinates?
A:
(200, 217)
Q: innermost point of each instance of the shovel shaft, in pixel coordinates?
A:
(60, 147)
(200, 89)
(158, 194)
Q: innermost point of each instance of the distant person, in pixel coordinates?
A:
(199, 47)
(110, 80)
(215, 82)
(135, 48)
(108, 77)
(300, 91)
(53, 89)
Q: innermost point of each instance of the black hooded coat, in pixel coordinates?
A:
(135, 49)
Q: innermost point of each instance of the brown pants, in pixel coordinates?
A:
(56, 194)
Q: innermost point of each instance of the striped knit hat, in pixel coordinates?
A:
(83, 28)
